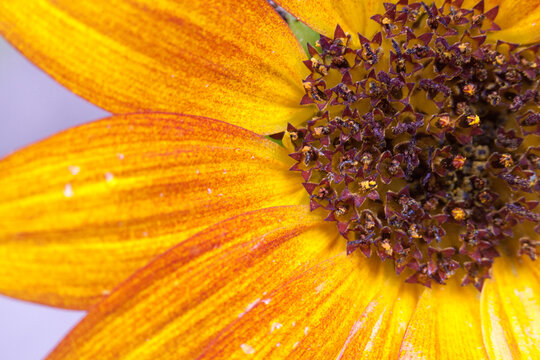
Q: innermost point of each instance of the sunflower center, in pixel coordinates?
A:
(425, 148)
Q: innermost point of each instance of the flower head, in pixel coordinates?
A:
(188, 237)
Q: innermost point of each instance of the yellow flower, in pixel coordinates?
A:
(178, 225)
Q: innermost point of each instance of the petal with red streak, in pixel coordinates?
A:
(82, 210)
(267, 283)
(308, 317)
(229, 60)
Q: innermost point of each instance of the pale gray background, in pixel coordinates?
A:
(33, 106)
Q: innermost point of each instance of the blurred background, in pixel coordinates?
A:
(32, 107)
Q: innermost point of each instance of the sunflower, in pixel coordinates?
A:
(412, 129)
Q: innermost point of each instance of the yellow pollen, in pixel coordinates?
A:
(317, 66)
(413, 231)
(293, 135)
(459, 161)
(368, 185)
(387, 247)
(506, 160)
(469, 89)
(484, 197)
(443, 121)
(319, 130)
(459, 214)
(473, 120)
(464, 47)
(341, 210)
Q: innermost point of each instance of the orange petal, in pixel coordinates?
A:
(323, 15)
(309, 317)
(511, 310)
(82, 210)
(266, 283)
(445, 325)
(378, 332)
(235, 62)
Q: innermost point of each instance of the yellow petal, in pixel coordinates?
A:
(511, 310)
(445, 325)
(378, 332)
(82, 210)
(518, 19)
(266, 283)
(524, 31)
(323, 15)
(230, 60)
(511, 12)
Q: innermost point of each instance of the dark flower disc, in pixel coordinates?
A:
(425, 148)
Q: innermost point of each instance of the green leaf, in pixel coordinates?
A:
(302, 32)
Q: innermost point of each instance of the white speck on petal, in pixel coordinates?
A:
(224, 171)
(68, 191)
(275, 326)
(248, 349)
(109, 177)
(278, 344)
(120, 156)
(206, 85)
(294, 323)
(249, 307)
(197, 171)
(402, 325)
(266, 301)
(74, 170)
(296, 344)
(319, 287)
(306, 330)
(209, 191)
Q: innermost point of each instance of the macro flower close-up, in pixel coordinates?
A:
(371, 194)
